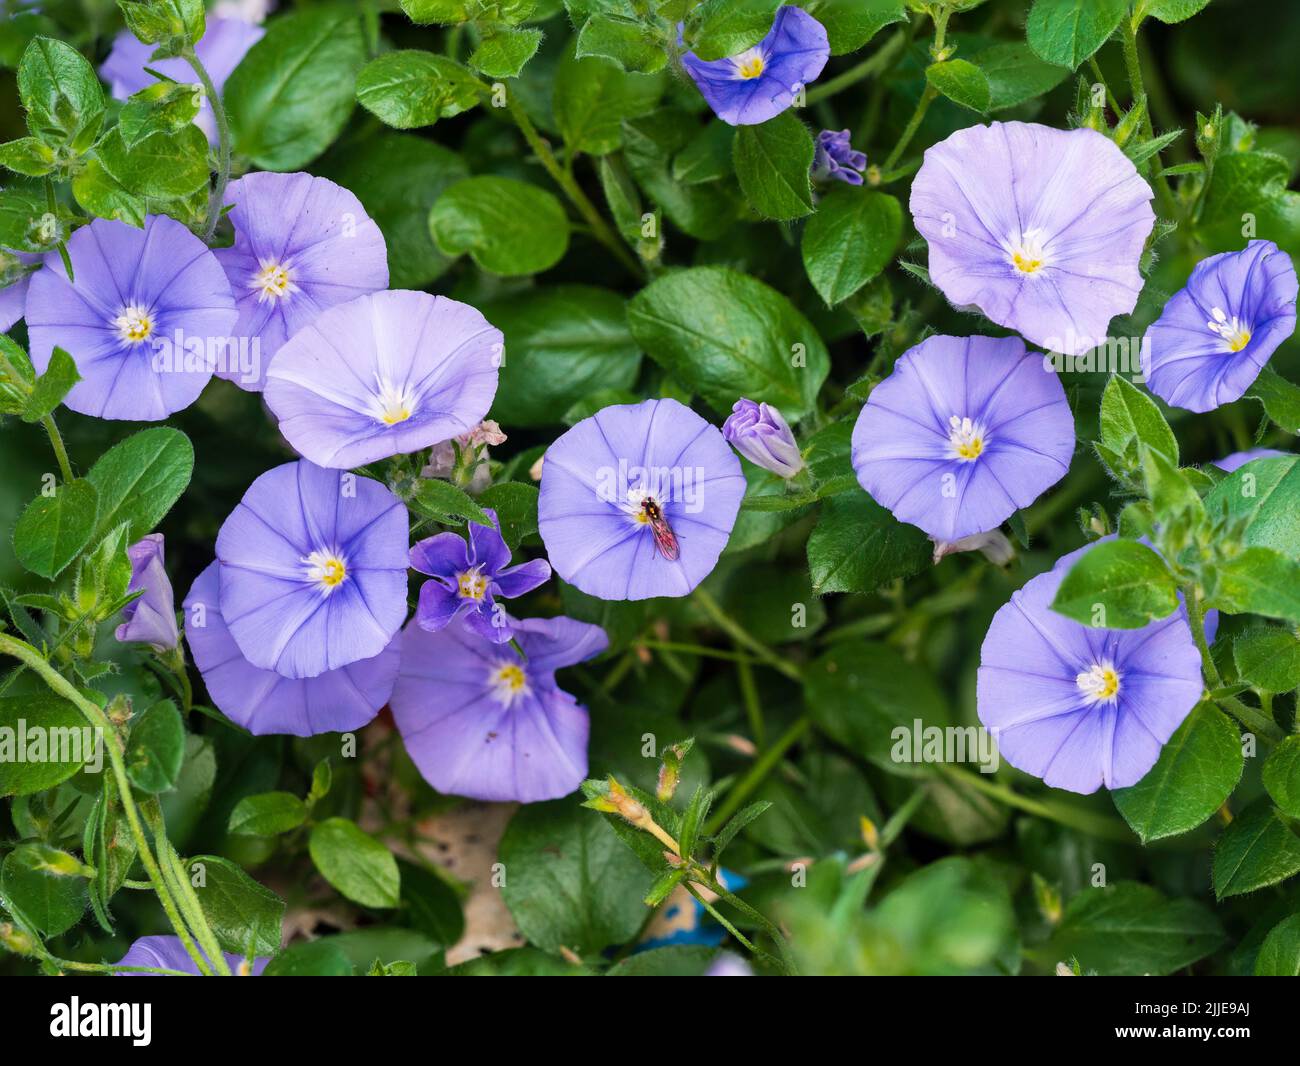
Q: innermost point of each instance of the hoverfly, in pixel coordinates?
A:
(665, 538)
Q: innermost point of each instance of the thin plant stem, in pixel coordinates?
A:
(1256, 721)
(753, 708)
(742, 636)
(1137, 87)
(909, 131)
(756, 774)
(60, 450)
(30, 657)
(223, 143)
(873, 64)
(1085, 821)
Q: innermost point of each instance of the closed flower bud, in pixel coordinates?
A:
(762, 436)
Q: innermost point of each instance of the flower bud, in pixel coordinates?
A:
(761, 435)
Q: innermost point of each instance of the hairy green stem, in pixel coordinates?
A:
(909, 131)
(1256, 721)
(60, 450)
(223, 143)
(753, 707)
(741, 636)
(1085, 821)
(30, 657)
(1137, 88)
(873, 64)
(565, 180)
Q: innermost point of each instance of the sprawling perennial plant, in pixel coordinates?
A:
(679, 370)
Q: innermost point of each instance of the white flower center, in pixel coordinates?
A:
(1235, 333)
(507, 682)
(750, 64)
(326, 569)
(393, 403)
(1026, 251)
(134, 325)
(1099, 683)
(966, 439)
(636, 504)
(471, 585)
(273, 281)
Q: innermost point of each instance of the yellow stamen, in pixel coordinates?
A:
(751, 65)
(134, 324)
(273, 281)
(1101, 682)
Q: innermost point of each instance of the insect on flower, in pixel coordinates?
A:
(665, 538)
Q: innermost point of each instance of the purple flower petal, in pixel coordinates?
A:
(761, 434)
(384, 374)
(443, 554)
(480, 721)
(150, 619)
(313, 569)
(1239, 459)
(1041, 229)
(1213, 337)
(224, 43)
(302, 244)
(263, 701)
(1083, 707)
(521, 579)
(964, 432)
(761, 82)
(168, 953)
(13, 297)
(438, 605)
(594, 479)
(141, 301)
(487, 548)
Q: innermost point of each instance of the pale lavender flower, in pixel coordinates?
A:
(1239, 459)
(14, 276)
(762, 435)
(168, 953)
(1041, 229)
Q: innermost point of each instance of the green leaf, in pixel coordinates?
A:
(1197, 770)
(569, 881)
(173, 25)
(1066, 32)
(27, 155)
(43, 742)
(507, 226)
(61, 93)
(355, 863)
(562, 343)
(408, 89)
(311, 958)
(53, 530)
(430, 905)
(676, 960)
(293, 92)
(155, 749)
(1282, 775)
(1264, 494)
(1281, 399)
(516, 506)
(724, 334)
(140, 478)
(1172, 10)
(503, 52)
(398, 177)
(1249, 183)
(45, 886)
(1129, 416)
(163, 166)
(444, 501)
(859, 693)
(52, 386)
(962, 82)
(267, 814)
(708, 155)
(1117, 584)
(852, 23)
(593, 98)
(626, 41)
(244, 915)
(1258, 581)
(1268, 658)
(1015, 75)
(720, 28)
(773, 161)
(1279, 955)
(1128, 929)
(858, 546)
(1257, 849)
(27, 224)
(102, 195)
(436, 12)
(164, 107)
(850, 240)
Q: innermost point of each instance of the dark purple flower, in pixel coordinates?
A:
(1239, 459)
(151, 618)
(168, 953)
(762, 436)
(1214, 337)
(469, 578)
(146, 319)
(384, 374)
(761, 82)
(302, 244)
(481, 721)
(262, 701)
(964, 432)
(224, 43)
(836, 159)
(313, 569)
(1041, 229)
(638, 501)
(1083, 707)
